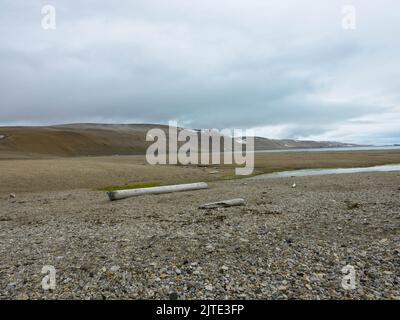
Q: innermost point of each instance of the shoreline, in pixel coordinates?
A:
(96, 172)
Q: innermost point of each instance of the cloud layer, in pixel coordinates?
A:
(286, 68)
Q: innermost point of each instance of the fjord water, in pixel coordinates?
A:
(317, 172)
(338, 149)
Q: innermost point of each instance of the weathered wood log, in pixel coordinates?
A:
(122, 194)
(223, 204)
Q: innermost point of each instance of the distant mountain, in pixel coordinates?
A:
(265, 144)
(104, 139)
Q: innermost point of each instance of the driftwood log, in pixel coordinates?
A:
(223, 204)
(122, 194)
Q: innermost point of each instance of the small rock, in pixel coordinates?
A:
(289, 241)
(173, 296)
(12, 195)
(114, 268)
(22, 296)
(209, 287)
(210, 248)
(352, 205)
(12, 285)
(178, 271)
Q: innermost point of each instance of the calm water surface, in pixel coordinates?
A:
(318, 172)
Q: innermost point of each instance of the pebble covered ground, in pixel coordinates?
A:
(285, 243)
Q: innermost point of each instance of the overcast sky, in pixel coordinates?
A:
(286, 68)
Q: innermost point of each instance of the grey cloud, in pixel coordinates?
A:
(227, 64)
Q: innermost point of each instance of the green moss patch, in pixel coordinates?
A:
(130, 186)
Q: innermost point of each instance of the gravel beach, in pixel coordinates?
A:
(285, 243)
